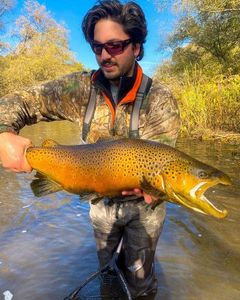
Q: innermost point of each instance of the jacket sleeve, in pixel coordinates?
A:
(162, 121)
(62, 99)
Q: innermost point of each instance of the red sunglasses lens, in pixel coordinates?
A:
(113, 48)
(97, 49)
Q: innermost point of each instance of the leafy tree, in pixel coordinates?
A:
(215, 33)
(203, 72)
(199, 5)
(207, 5)
(41, 52)
(207, 31)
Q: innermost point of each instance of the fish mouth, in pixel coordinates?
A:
(197, 201)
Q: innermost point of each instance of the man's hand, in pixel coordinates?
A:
(139, 193)
(12, 152)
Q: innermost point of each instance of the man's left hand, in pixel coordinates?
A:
(140, 193)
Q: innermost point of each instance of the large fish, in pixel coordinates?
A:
(108, 168)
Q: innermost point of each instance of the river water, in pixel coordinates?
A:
(47, 245)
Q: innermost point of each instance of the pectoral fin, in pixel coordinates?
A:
(150, 190)
(42, 185)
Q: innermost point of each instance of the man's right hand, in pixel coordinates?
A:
(12, 152)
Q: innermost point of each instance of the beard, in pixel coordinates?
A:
(113, 71)
(110, 70)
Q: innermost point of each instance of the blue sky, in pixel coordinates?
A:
(71, 13)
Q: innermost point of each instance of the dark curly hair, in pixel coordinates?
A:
(129, 15)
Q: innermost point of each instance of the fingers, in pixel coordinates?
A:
(136, 192)
(17, 159)
(25, 165)
(13, 152)
(139, 193)
(147, 198)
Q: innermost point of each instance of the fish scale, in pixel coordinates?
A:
(108, 168)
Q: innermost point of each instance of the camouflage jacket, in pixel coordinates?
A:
(67, 99)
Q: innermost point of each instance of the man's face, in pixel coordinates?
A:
(114, 66)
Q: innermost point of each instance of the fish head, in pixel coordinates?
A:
(187, 180)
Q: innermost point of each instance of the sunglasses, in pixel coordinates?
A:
(112, 48)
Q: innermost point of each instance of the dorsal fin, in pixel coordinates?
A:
(49, 143)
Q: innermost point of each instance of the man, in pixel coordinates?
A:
(102, 102)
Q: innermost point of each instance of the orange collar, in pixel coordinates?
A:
(128, 98)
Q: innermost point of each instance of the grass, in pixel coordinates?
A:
(207, 104)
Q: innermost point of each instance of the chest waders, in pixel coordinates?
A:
(140, 276)
(134, 120)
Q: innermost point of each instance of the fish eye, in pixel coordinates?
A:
(202, 174)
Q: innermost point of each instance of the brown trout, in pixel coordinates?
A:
(108, 168)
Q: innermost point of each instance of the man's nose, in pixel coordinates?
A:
(105, 54)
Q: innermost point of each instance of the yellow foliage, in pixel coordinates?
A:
(40, 64)
(41, 54)
(206, 102)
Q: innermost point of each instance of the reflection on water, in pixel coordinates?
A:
(47, 245)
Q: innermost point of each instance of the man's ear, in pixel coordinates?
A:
(136, 49)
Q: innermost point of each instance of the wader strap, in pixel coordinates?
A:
(141, 94)
(89, 113)
(134, 121)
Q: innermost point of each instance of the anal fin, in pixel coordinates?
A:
(94, 198)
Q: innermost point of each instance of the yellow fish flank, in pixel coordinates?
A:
(108, 168)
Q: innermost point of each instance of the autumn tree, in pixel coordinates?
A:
(203, 71)
(208, 32)
(41, 51)
(211, 6)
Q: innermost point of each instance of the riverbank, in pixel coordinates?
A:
(232, 138)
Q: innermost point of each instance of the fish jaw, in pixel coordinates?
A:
(197, 201)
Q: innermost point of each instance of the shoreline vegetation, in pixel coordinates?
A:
(203, 72)
(225, 137)
(209, 106)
